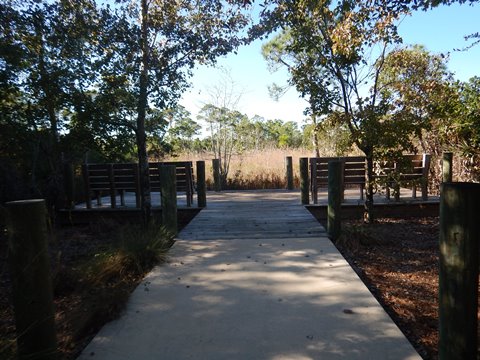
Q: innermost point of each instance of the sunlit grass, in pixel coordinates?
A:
(263, 169)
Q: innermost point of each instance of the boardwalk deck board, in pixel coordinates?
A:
(252, 277)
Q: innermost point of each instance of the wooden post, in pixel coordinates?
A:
(113, 192)
(447, 167)
(31, 279)
(136, 175)
(86, 183)
(304, 180)
(122, 197)
(99, 198)
(342, 199)
(396, 185)
(335, 188)
(217, 186)
(289, 172)
(188, 183)
(458, 282)
(69, 183)
(201, 185)
(313, 177)
(424, 184)
(168, 189)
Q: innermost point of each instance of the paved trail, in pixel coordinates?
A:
(253, 276)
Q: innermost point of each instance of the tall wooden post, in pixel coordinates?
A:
(201, 184)
(289, 172)
(458, 283)
(217, 182)
(69, 184)
(313, 174)
(427, 158)
(342, 199)
(86, 184)
(304, 180)
(113, 191)
(136, 176)
(168, 189)
(447, 167)
(335, 189)
(31, 279)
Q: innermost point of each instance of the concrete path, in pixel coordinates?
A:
(253, 276)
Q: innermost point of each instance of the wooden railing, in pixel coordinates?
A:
(411, 170)
(116, 179)
(354, 173)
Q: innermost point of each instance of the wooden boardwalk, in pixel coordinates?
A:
(253, 215)
(253, 276)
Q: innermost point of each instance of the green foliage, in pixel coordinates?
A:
(254, 133)
(181, 129)
(467, 122)
(442, 114)
(338, 56)
(83, 79)
(334, 137)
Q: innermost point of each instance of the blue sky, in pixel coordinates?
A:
(440, 30)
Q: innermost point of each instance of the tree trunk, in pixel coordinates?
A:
(53, 153)
(145, 198)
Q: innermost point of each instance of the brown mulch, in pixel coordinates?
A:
(398, 261)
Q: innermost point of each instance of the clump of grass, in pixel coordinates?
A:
(136, 250)
(104, 282)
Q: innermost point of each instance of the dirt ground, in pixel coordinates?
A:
(397, 259)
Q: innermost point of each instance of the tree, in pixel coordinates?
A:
(153, 46)
(182, 128)
(250, 133)
(222, 118)
(45, 65)
(97, 74)
(422, 93)
(334, 137)
(281, 134)
(464, 134)
(222, 123)
(335, 42)
(304, 77)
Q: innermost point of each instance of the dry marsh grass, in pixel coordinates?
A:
(263, 169)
